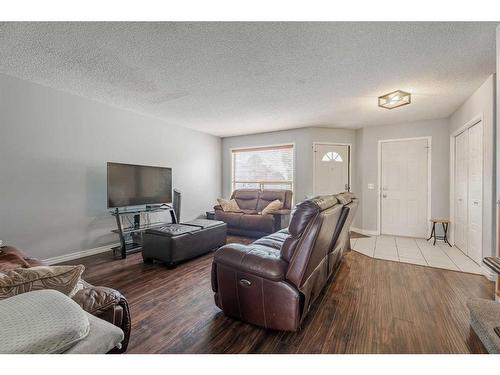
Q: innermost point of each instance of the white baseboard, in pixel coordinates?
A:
(365, 232)
(79, 254)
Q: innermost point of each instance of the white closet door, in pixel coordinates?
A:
(475, 203)
(461, 189)
(404, 184)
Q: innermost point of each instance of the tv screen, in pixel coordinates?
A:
(134, 185)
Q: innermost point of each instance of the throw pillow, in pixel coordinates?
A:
(228, 205)
(272, 207)
(41, 322)
(21, 280)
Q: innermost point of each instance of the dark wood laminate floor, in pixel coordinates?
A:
(371, 306)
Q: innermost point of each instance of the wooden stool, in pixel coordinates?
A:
(444, 223)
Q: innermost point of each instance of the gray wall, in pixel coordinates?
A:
(367, 167)
(482, 102)
(302, 138)
(53, 153)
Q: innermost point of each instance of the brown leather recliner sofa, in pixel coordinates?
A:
(105, 303)
(248, 221)
(273, 282)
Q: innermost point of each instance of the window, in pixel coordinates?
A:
(263, 168)
(331, 156)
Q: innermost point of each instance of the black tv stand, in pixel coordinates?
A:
(131, 236)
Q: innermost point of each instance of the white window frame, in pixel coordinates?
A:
(257, 147)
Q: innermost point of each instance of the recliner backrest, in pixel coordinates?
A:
(267, 196)
(255, 199)
(311, 231)
(247, 199)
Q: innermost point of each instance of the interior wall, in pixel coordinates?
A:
(496, 131)
(53, 153)
(366, 170)
(303, 139)
(482, 102)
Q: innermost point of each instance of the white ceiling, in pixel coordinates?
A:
(240, 78)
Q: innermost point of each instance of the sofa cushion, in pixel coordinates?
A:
(274, 240)
(257, 223)
(61, 278)
(255, 259)
(228, 205)
(103, 336)
(246, 198)
(44, 321)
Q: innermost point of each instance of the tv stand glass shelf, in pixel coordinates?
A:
(131, 224)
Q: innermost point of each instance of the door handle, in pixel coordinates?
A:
(384, 195)
(245, 282)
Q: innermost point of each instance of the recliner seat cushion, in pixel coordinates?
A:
(258, 223)
(232, 219)
(103, 336)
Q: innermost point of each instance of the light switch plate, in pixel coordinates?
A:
(371, 186)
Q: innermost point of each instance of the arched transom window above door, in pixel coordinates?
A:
(331, 156)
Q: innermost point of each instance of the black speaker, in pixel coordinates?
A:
(177, 204)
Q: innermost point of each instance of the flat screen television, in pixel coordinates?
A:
(134, 185)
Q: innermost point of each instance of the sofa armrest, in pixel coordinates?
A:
(254, 259)
(281, 219)
(107, 304)
(283, 211)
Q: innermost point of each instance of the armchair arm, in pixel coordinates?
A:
(253, 259)
(108, 304)
(218, 207)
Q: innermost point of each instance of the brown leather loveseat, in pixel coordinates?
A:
(274, 281)
(248, 221)
(105, 303)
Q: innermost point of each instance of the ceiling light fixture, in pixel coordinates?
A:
(394, 99)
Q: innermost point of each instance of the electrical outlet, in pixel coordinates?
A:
(371, 186)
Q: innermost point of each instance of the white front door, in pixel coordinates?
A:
(461, 187)
(331, 169)
(475, 205)
(404, 187)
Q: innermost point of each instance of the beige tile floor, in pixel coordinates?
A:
(415, 251)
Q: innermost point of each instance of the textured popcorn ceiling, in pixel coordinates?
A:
(240, 78)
